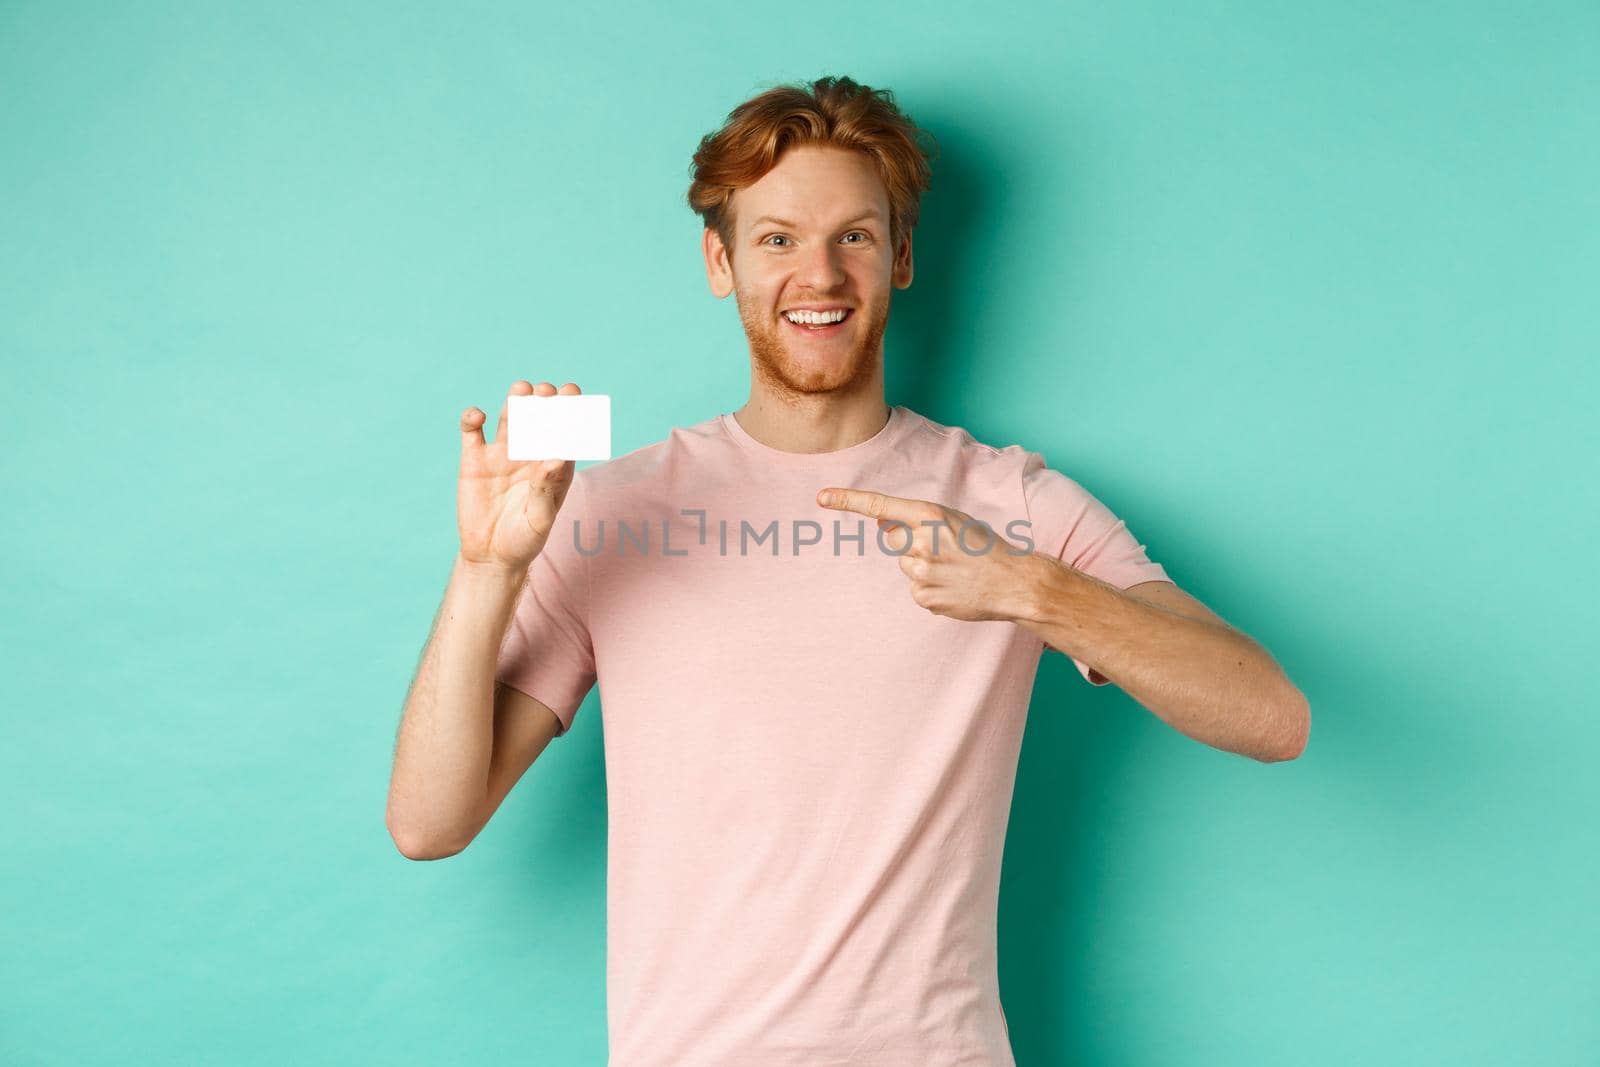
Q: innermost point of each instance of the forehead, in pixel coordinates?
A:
(814, 186)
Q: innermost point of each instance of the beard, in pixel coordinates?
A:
(792, 366)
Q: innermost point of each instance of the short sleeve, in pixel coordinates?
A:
(547, 652)
(1068, 523)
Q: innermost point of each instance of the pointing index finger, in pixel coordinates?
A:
(871, 504)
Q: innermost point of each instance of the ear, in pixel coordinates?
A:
(719, 271)
(901, 275)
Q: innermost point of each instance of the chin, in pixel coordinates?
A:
(802, 370)
(813, 375)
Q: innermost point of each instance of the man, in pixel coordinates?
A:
(814, 681)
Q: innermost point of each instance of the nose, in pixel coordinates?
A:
(821, 269)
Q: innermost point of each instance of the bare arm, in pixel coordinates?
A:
(439, 791)
(464, 740)
(1173, 655)
(1160, 645)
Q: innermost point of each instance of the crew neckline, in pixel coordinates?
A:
(888, 433)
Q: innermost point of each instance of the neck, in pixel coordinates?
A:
(816, 423)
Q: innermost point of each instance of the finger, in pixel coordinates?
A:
(874, 505)
(518, 388)
(543, 471)
(472, 421)
(550, 467)
(545, 475)
(896, 539)
(563, 470)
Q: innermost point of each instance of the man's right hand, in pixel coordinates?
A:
(505, 509)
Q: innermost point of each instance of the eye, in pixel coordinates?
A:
(853, 233)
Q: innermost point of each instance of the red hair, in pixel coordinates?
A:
(834, 112)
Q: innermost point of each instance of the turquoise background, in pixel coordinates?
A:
(1297, 290)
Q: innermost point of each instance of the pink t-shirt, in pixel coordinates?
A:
(808, 774)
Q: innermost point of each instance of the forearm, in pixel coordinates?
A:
(1203, 678)
(442, 755)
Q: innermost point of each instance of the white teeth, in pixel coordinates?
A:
(815, 317)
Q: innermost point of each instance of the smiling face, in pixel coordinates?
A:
(813, 234)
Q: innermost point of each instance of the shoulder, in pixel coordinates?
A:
(959, 445)
(1047, 494)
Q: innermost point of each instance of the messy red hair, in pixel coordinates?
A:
(835, 112)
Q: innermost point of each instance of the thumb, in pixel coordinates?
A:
(471, 427)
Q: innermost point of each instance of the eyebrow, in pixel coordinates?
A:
(873, 215)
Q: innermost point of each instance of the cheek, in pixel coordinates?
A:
(759, 297)
(754, 302)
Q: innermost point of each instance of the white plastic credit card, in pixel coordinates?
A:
(558, 427)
